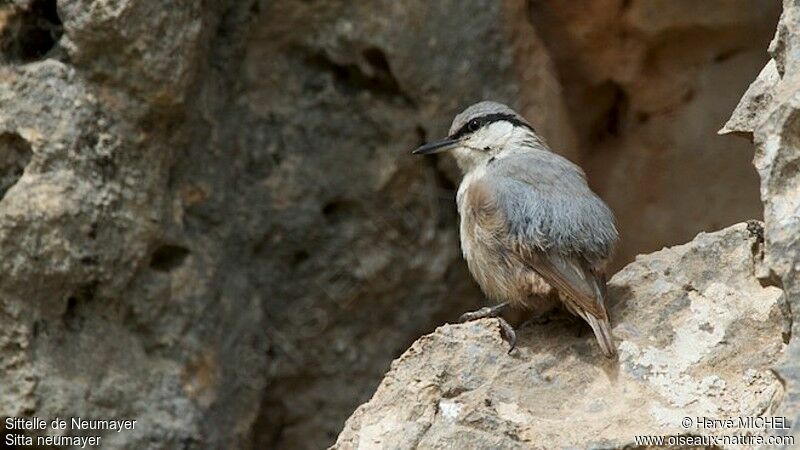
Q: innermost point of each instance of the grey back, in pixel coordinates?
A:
(549, 205)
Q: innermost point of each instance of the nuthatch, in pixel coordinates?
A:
(529, 222)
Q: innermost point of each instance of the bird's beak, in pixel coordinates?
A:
(435, 147)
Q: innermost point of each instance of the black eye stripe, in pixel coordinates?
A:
(482, 121)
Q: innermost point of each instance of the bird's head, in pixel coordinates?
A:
(481, 132)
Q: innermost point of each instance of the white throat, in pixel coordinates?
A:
(494, 141)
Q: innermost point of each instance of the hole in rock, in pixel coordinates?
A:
(72, 317)
(375, 76)
(29, 33)
(15, 154)
(377, 59)
(168, 257)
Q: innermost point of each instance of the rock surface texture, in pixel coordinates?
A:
(210, 223)
(647, 84)
(704, 329)
(695, 339)
(769, 113)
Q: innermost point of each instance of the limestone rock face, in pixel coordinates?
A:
(704, 329)
(697, 334)
(104, 308)
(648, 84)
(306, 184)
(770, 114)
(209, 219)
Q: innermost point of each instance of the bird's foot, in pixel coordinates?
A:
(487, 311)
(506, 330)
(508, 333)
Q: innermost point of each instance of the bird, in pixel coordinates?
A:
(530, 227)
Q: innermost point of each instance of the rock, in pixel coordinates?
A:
(309, 189)
(648, 83)
(104, 312)
(769, 114)
(209, 220)
(697, 335)
(156, 47)
(756, 101)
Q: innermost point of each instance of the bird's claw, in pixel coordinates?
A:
(508, 333)
(506, 330)
(479, 314)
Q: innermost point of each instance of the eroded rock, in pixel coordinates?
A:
(697, 334)
(770, 113)
(212, 223)
(648, 84)
(89, 327)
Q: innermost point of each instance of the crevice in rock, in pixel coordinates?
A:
(454, 392)
(780, 378)
(756, 229)
(29, 33)
(15, 154)
(610, 122)
(375, 75)
(785, 307)
(92, 233)
(72, 318)
(168, 257)
(377, 60)
(615, 115)
(89, 260)
(772, 279)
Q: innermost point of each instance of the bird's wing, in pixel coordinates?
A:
(549, 219)
(572, 278)
(547, 203)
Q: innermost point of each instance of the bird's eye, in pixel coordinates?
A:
(473, 125)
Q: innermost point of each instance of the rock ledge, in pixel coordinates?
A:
(697, 336)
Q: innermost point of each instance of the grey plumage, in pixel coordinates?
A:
(550, 206)
(529, 221)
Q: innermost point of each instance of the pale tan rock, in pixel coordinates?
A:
(754, 102)
(210, 221)
(648, 83)
(770, 110)
(697, 336)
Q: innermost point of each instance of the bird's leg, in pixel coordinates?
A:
(494, 311)
(486, 311)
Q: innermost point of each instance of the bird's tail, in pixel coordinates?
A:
(602, 332)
